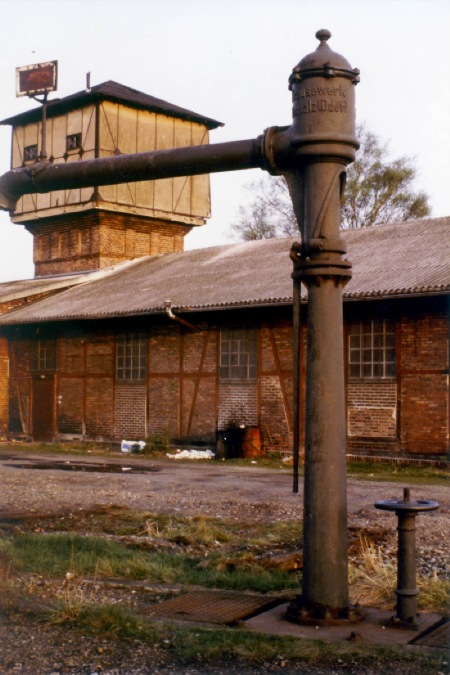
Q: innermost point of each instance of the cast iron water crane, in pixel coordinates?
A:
(312, 155)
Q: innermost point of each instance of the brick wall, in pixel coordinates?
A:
(238, 405)
(410, 416)
(97, 239)
(276, 435)
(183, 394)
(130, 403)
(19, 387)
(424, 393)
(276, 387)
(372, 409)
(199, 353)
(70, 408)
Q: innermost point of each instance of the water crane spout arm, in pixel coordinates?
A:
(188, 161)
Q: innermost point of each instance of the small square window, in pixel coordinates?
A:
(30, 153)
(73, 142)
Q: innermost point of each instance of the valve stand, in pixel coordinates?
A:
(406, 511)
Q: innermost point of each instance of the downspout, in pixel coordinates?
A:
(172, 316)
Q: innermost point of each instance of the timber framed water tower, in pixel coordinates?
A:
(87, 228)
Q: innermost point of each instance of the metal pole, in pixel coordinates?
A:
(296, 376)
(406, 590)
(323, 132)
(43, 153)
(322, 270)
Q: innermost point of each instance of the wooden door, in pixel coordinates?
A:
(43, 407)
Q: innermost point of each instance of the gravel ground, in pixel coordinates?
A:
(246, 494)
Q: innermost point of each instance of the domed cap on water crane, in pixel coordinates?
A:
(323, 104)
(323, 62)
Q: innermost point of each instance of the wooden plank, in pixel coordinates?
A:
(57, 137)
(200, 185)
(88, 132)
(108, 120)
(17, 147)
(164, 141)
(127, 144)
(74, 122)
(32, 135)
(88, 144)
(182, 185)
(145, 142)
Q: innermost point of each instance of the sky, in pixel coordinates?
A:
(231, 60)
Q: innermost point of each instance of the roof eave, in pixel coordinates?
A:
(259, 304)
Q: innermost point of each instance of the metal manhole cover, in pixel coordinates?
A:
(223, 607)
(437, 636)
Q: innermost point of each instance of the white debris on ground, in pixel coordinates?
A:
(132, 446)
(192, 454)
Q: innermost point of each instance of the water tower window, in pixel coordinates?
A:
(73, 142)
(30, 153)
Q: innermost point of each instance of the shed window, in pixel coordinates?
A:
(371, 350)
(238, 355)
(44, 355)
(131, 358)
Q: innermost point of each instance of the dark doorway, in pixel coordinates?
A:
(43, 407)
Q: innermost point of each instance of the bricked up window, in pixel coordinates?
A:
(238, 355)
(371, 350)
(131, 358)
(44, 355)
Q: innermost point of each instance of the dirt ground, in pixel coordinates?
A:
(35, 485)
(52, 483)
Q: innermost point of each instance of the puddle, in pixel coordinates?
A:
(83, 466)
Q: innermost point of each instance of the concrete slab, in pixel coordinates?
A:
(374, 629)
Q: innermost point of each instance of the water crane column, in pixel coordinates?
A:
(323, 132)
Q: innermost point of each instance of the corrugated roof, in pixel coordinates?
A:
(110, 91)
(26, 288)
(410, 258)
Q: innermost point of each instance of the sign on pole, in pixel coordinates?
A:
(39, 78)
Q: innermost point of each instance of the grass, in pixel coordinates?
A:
(373, 580)
(89, 556)
(221, 554)
(210, 553)
(377, 471)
